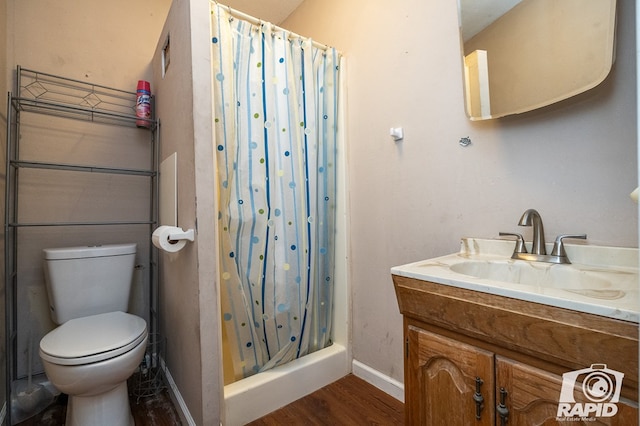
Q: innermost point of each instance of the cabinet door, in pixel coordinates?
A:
(532, 397)
(440, 380)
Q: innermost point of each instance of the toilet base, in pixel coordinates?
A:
(108, 408)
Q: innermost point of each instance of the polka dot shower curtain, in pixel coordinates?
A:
(275, 97)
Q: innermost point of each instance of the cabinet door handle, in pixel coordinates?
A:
(502, 409)
(477, 397)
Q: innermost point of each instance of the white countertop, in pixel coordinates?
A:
(616, 269)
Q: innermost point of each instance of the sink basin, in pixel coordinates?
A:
(532, 273)
(600, 280)
(587, 282)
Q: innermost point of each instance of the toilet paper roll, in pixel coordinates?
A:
(161, 239)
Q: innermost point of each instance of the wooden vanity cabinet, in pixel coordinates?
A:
(533, 394)
(478, 359)
(440, 381)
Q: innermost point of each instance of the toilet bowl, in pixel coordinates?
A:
(90, 359)
(97, 346)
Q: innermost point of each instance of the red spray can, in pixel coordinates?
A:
(143, 103)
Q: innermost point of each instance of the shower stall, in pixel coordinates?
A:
(275, 252)
(276, 121)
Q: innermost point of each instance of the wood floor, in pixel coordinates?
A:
(350, 402)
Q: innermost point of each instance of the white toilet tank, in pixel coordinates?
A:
(83, 281)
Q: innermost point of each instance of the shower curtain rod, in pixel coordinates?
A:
(256, 21)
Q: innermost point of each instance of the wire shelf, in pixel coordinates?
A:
(149, 379)
(50, 94)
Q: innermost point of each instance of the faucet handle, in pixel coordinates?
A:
(558, 246)
(520, 247)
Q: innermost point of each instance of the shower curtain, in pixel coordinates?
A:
(275, 106)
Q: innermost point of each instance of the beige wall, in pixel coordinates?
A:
(109, 43)
(189, 298)
(575, 162)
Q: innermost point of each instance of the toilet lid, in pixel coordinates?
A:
(92, 339)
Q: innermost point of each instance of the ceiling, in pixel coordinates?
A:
(274, 11)
(475, 15)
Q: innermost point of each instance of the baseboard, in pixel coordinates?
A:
(383, 382)
(181, 406)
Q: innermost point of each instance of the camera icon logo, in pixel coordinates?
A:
(598, 385)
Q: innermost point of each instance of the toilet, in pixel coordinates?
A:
(97, 346)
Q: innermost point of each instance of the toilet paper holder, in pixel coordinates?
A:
(181, 234)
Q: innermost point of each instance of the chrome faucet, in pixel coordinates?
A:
(538, 248)
(532, 217)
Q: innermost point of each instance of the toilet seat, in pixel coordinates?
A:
(92, 339)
